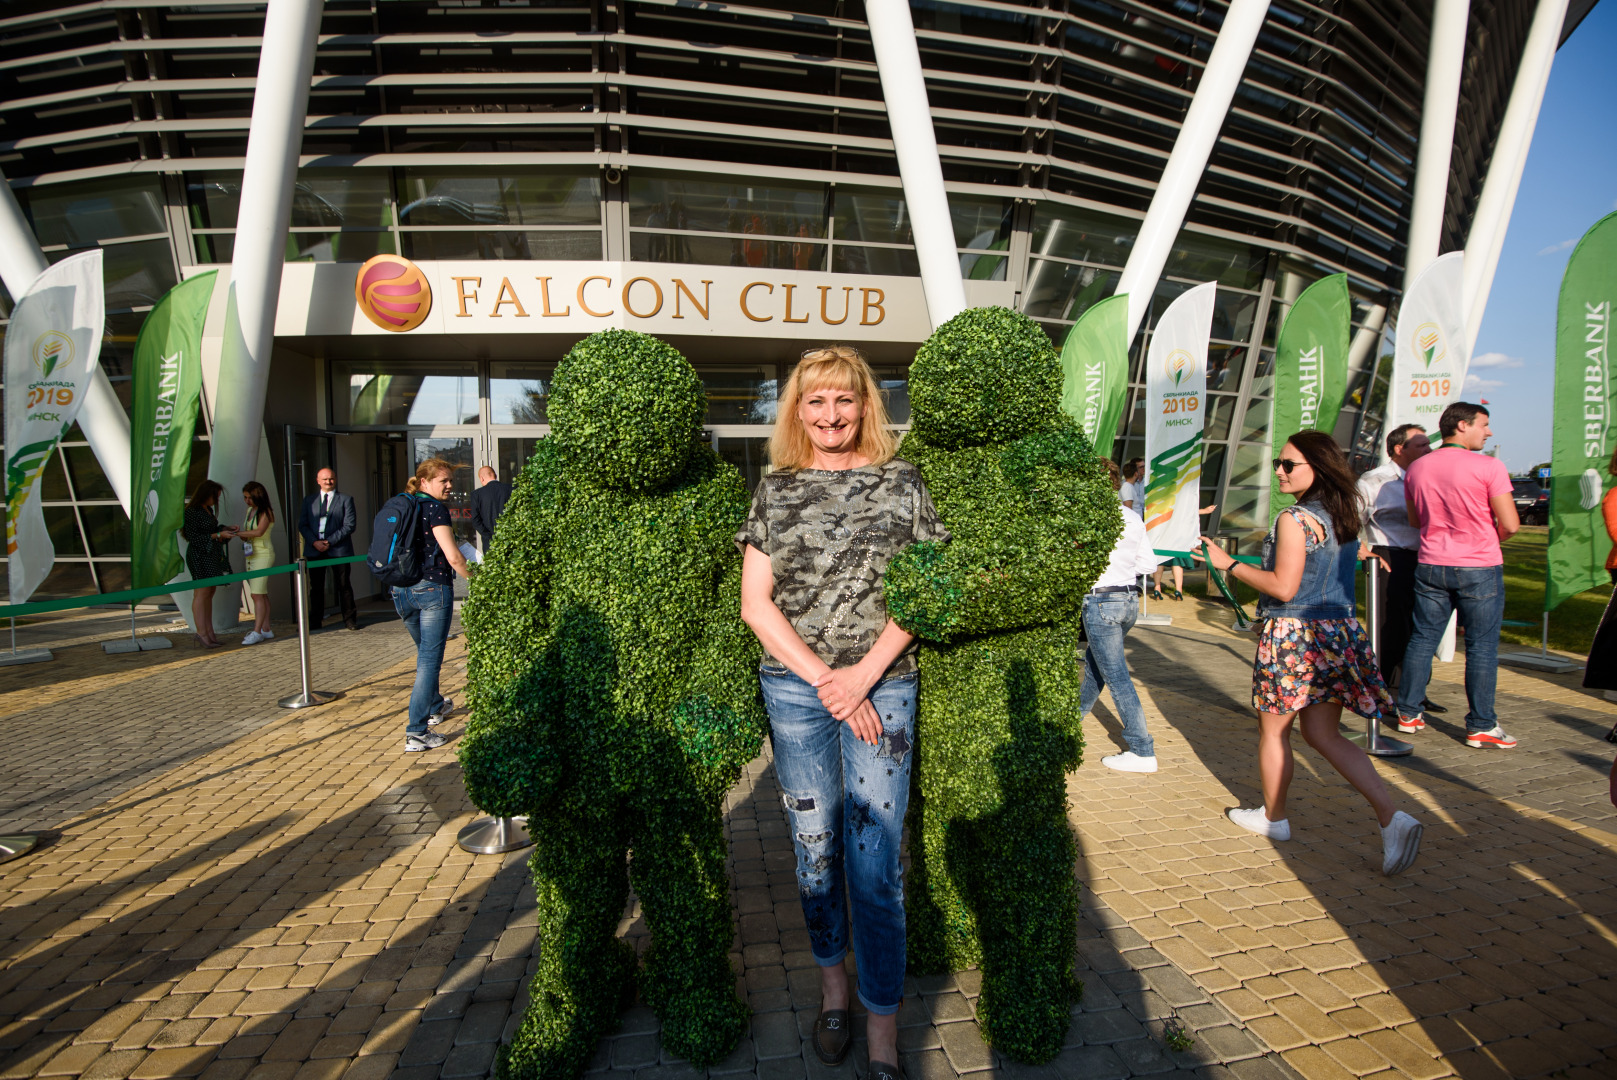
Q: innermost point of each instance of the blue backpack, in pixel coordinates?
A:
(394, 557)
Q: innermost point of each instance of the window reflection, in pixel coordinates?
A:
(83, 213)
(519, 393)
(375, 394)
(740, 395)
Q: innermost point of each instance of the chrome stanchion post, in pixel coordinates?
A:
(300, 588)
(1374, 742)
(495, 835)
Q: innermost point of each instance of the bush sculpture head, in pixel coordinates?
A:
(988, 375)
(625, 411)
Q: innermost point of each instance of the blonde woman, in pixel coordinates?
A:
(839, 676)
(260, 555)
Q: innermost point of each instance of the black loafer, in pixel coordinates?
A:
(832, 1036)
(880, 1070)
(1432, 707)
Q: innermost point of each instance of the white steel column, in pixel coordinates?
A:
(1432, 154)
(274, 138)
(1191, 149)
(1492, 217)
(101, 416)
(898, 62)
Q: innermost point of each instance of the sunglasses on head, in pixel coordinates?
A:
(1287, 464)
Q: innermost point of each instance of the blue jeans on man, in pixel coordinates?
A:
(846, 801)
(1108, 617)
(426, 608)
(1478, 593)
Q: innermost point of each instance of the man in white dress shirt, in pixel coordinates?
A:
(1388, 533)
(1110, 610)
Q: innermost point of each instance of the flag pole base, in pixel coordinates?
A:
(26, 656)
(148, 643)
(1153, 619)
(309, 700)
(1539, 662)
(15, 847)
(495, 836)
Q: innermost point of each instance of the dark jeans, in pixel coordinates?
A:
(846, 800)
(342, 578)
(1108, 617)
(1478, 593)
(426, 608)
(1397, 589)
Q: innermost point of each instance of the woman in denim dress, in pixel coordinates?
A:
(839, 676)
(1313, 656)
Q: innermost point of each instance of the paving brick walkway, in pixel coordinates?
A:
(287, 900)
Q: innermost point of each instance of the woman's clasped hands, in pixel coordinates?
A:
(845, 693)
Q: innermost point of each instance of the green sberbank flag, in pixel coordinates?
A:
(1585, 424)
(1311, 364)
(168, 389)
(1095, 371)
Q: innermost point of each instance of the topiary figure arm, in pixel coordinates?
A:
(1026, 557)
(509, 754)
(720, 721)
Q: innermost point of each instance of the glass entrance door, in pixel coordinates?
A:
(462, 448)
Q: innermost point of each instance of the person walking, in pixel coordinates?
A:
(260, 553)
(1313, 657)
(327, 527)
(839, 676)
(1462, 503)
(205, 555)
(1600, 671)
(427, 607)
(1110, 610)
(1395, 543)
(487, 502)
(1132, 492)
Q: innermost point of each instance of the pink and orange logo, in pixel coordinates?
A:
(393, 293)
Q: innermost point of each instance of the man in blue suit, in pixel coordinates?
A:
(327, 527)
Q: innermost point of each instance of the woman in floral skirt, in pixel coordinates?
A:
(1313, 656)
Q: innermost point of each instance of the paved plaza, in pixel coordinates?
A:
(235, 890)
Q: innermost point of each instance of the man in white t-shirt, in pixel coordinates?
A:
(1110, 610)
(1132, 491)
(1387, 533)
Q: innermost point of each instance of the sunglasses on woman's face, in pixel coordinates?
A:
(1287, 464)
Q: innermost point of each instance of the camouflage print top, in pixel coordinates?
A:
(829, 536)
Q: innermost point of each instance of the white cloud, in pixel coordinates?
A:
(1495, 360)
(1562, 246)
(1477, 382)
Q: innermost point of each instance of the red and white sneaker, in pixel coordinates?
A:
(1495, 739)
(1411, 724)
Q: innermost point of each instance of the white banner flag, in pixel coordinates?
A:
(1430, 359)
(52, 347)
(1175, 401)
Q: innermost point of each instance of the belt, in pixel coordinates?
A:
(1114, 589)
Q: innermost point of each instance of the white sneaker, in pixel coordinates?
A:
(253, 638)
(1256, 820)
(1129, 761)
(439, 715)
(1400, 843)
(427, 740)
(266, 635)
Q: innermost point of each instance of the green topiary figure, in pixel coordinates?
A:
(614, 698)
(1034, 519)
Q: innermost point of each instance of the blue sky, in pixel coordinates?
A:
(1570, 183)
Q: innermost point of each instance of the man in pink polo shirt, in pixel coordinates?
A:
(1461, 501)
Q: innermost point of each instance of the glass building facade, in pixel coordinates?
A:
(655, 132)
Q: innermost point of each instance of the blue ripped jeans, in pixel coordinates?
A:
(846, 801)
